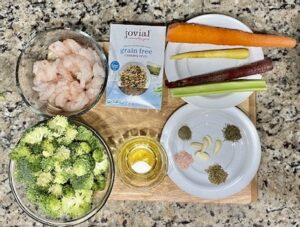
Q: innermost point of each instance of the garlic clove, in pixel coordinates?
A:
(208, 139)
(202, 155)
(218, 146)
(197, 145)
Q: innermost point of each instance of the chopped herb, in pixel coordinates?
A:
(216, 174)
(232, 133)
(185, 133)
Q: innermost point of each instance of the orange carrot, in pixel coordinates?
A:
(197, 33)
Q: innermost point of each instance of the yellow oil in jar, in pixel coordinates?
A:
(141, 162)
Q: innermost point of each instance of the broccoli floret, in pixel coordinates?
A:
(78, 204)
(35, 194)
(36, 149)
(98, 155)
(84, 134)
(48, 147)
(62, 153)
(82, 166)
(95, 143)
(56, 189)
(58, 124)
(19, 152)
(44, 179)
(47, 164)
(24, 172)
(52, 206)
(61, 178)
(82, 148)
(35, 162)
(84, 182)
(35, 135)
(102, 166)
(68, 190)
(99, 183)
(69, 136)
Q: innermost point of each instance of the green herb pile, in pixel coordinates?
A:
(62, 165)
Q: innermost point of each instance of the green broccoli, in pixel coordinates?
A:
(35, 135)
(62, 154)
(68, 190)
(99, 183)
(48, 148)
(44, 179)
(24, 172)
(82, 166)
(69, 136)
(35, 194)
(56, 189)
(95, 143)
(58, 124)
(84, 134)
(78, 204)
(52, 206)
(61, 177)
(35, 162)
(82, 148)
(36, 148)
(84, 182)
(19, 152)
(102, 166)
(47, 164)
(98, 155)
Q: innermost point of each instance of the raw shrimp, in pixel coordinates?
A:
(75, 89)
(79, 103)
(58, 50)
(78, 66)
(62, 98)
(44, 71)
(98, 70)
(89, 54)
(45, 90)
(94, 87)
(72, 45)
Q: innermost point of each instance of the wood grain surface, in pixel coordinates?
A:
(117, 124)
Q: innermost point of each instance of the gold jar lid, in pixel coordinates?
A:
(141, 162)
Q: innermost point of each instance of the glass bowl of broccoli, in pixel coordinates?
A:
(61, 172)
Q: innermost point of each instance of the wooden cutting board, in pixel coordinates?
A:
(117, 124)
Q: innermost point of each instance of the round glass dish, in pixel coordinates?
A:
(99, 200)
(37, 49)
(141, 162)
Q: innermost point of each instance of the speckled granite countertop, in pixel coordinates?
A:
(278, 118)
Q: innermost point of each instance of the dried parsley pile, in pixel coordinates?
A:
(232, 133)
(216, 174)
(185, 133)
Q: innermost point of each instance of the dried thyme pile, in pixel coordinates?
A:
(232, 133)
(216, 174)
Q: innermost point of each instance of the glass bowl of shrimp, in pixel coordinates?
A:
(61, 72)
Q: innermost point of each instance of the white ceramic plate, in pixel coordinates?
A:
(239, 159)
(176, 70)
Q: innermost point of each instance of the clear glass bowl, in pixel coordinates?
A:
(99, 200)
(148, 150)
(37, 49)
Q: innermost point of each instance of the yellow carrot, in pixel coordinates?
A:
(237, 53)
(198, 33)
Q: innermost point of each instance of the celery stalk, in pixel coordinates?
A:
(218, 88)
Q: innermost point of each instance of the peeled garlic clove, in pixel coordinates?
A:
(205, 143)
(218, 146)
(197, 145)
(202, 155)
(208, 139)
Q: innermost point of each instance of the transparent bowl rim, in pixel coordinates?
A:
(89, 215)
(41, 33)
